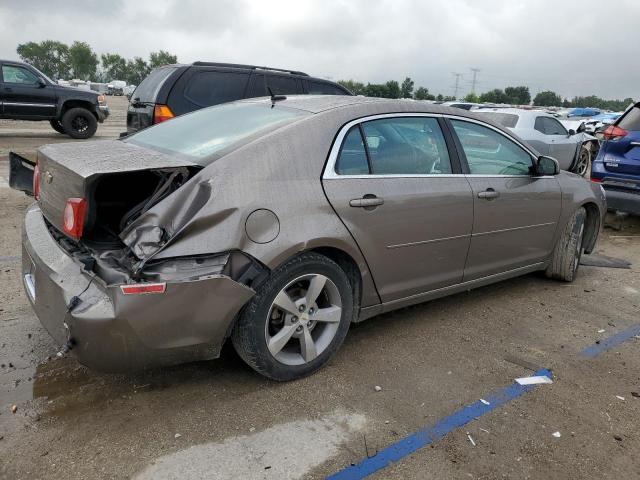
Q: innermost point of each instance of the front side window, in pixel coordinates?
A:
(489, 152)
(20, 75)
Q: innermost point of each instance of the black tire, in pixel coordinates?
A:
(565, 259)
(57, 126)
(249, 336)
(79, 123)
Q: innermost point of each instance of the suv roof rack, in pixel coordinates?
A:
(250, 67)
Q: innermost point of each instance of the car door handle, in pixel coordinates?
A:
(366, 201)
(489, 194)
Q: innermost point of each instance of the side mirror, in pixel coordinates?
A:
(547, 166)
(581, 128)
(41, 82)
(572, 132)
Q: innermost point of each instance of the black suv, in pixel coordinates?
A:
(28, 94)
(174, 90)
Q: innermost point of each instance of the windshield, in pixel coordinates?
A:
(43, 75)
(205, 132)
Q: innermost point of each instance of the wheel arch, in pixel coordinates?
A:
(69, 104)
(350, 267)
(592, 226)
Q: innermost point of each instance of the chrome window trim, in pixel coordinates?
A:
(330, 172)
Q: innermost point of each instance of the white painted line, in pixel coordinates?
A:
(534, 380)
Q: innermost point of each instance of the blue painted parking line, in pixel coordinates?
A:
(428, 435)
(610, 342)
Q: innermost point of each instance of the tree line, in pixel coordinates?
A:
(78, 60)
(392, 89)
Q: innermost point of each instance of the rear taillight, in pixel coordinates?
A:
(596, 180)
(73, 218)
(614, 133)
(142, 288)
(36, 182)
(162, 113)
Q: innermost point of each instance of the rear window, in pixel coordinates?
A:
(209, 133)
(631, 120)
(507, 120)
(148, 89)
(212, 88)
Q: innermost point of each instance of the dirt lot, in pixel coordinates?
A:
(218, 419)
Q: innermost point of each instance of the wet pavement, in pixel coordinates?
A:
(218, 419)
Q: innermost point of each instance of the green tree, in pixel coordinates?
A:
(518, 95)
(357, 88)
(137, 69)
(471, 98)
(547, 99)
(494, 96)
(83, 62)
(114, 67)
(393, 89)
(376, 90)
(406, 89)
(449, 98)
(422, 93)
(49, 56)
(160, 58)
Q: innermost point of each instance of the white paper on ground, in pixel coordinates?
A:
(534, 380)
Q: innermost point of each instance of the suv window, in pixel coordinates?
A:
(352, 159)
(549, 126)
(281, 85)
(149, 88)
(212, 88)
(631, 120)
(489, 152)
(320, 88)
(20, 75)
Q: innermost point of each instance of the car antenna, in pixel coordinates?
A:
(275, 98)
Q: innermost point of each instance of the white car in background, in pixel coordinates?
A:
(573, 149)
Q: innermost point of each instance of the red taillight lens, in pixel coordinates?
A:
(142, 288)
(596, 180)
(162, 113)
(36, 182)
(73, 218)
(613, 133)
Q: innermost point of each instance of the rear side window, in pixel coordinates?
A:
(352, 159)
(507, 120)
(631, 120)
(148, 89)
(212, 88)
(549, 126)
(320, 88)
(281, 85)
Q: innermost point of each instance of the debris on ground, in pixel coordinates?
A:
(471, 439)
(14, 408)
(617, 438)
(620, 398)
(635, 394)
(556, 434)
(535, 380)
(482, 400)
(601, 330)
(377, 388)
(486, 431)
(177, 435)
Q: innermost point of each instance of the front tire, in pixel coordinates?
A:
(565, 259)
(79, 123)
(583, 164)
(57, 126)
(297, 320)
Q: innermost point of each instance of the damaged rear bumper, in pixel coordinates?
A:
(115, 332)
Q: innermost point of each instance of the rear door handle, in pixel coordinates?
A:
(366, 201)
(489, 194)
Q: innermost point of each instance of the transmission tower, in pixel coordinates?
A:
(475, 76)
(456, 87)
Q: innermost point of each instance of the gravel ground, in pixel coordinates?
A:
(218, 419)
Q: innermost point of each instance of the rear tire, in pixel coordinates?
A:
(79, 123)
(565, 259)
(57, 126)
(583, 164)
(286, 344)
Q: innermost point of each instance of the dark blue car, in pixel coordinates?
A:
(617, 166)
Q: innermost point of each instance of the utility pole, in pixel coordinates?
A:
(473, 82)
(456, 87)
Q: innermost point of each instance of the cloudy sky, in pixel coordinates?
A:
(569, 46)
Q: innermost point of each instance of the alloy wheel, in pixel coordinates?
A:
(303, 319)
(584, 160)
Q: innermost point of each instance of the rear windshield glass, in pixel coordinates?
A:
(631, 120)
(148, 89)
(508, 120)
(205, 132)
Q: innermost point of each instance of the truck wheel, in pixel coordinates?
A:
(79, 123)
(565, 258)
(57, 126)
(297, 320)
